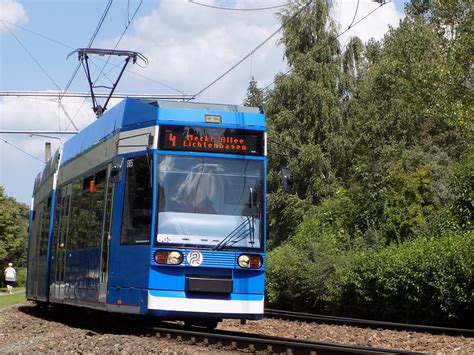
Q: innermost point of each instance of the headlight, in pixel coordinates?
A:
(170, 257)
(175, 258)
(249, 261)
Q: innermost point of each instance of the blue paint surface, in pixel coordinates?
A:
(132, 270)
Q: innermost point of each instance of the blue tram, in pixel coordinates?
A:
(157, 208)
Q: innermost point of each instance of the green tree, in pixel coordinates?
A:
(462, 188)
(304, 115)
(13, 230)
(255, 97)
(412, 116)
(380, 139)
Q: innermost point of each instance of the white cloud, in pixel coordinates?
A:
(374, 25)
(42, 114)
(12, 11)
(189, 46)
(17, 166)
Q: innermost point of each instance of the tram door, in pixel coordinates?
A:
(61, 246)
(105, 243)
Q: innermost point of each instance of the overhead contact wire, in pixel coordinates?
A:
(99, 25)
(113, 64)
(339, 35)
(251, 52)
(238, 9)
(21, 150)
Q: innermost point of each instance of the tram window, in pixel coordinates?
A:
(137, 202)
(100, 177)
(75, 215)
(86, 182)
(97, 208)
(44, 233)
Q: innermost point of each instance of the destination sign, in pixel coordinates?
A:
(211, 140)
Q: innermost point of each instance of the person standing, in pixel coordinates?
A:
(10, 277)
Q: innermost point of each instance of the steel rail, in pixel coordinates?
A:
(256, 342)
(98, 321)
(366, 323)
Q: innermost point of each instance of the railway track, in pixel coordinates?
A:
(249, 342)
(366, 323)
(223, 339)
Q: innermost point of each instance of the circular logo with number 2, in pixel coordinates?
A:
(195, 258)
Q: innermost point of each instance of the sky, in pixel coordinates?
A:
(188, 46)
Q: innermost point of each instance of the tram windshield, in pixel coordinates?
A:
(210, 202)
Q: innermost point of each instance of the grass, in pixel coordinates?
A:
(9, 300)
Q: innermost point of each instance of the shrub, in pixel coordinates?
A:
(428, 280)
(21, 277)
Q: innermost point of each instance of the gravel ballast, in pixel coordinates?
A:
(22, 330)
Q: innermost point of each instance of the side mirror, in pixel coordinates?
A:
(116, 170)
(150, 142)
(287, 179)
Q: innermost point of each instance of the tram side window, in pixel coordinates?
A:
(73, 240)
(97, 196)
(137, 202)
(84, 214)
(43, 246)
(57, 216)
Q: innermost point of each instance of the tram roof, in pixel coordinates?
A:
(132, 114)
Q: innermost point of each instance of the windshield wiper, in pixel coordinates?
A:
(241, 232)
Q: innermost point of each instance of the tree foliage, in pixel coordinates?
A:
(13, 230)
(379, 136)
(256, 97)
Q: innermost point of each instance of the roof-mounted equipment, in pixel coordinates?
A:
(83, 56)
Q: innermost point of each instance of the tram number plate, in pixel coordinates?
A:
(164, 238)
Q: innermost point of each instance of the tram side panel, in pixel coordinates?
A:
(77, 255)
(130, 242)
(38, 263)
(82, 251)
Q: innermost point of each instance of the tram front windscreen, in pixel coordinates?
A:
(206, 202)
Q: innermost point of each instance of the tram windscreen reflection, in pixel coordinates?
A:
(211, 202)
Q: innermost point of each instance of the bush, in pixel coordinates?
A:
(428, 280)
(21, 277)
(300, 271)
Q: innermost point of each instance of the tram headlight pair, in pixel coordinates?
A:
(250, 261)
(170, 257)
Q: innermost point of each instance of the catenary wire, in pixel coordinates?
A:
(32, 56)
(94, 35)
(362, 19)
(37, 34)
(99, 25)
(101, 21)
(47, 38)
(21, 150)
(238, 9)
(100, 59)
(253, 50)
(108, 59)
(42, 69)
(120, 38)
(355, 14)
(339, 35)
